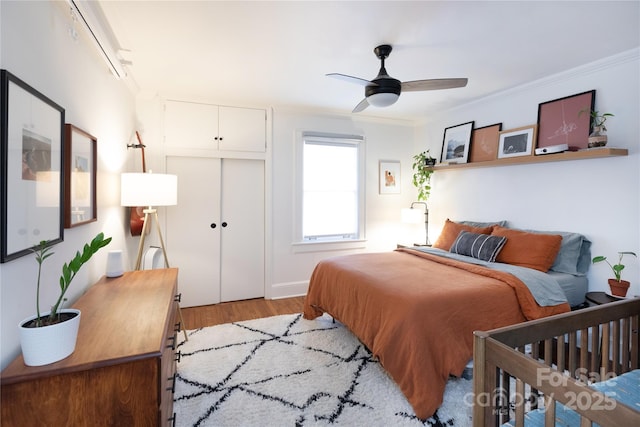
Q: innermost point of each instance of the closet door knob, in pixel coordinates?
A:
(224, 224)
(213, 225)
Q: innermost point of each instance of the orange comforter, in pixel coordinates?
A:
(416, 312)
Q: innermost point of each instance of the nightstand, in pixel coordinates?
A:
(599, 298)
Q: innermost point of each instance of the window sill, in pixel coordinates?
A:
(304, 247)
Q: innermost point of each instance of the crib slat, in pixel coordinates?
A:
(604, 365)
(615, 351)
(550, 412)
(560, 353)
(595, 348)
(626, 334)
(520, 402)
(635, 342)
(573, 350)
(584, 348)
(548, 351)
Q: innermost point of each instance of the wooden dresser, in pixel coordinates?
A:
(122, 371)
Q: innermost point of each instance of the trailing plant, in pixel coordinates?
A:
(597, 119)
(69, 271)
(422, 174)
(616, 268)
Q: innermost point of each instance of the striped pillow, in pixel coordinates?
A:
(480, 246)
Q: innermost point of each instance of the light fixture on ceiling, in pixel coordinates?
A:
(383, 99)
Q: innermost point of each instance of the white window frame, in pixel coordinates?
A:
(302, 245)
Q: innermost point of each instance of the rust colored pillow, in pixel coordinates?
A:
(532, 250)
(451, 230)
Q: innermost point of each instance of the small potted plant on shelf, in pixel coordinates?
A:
(618, 286)
(422, 170)
(48, 337)
(598, 137)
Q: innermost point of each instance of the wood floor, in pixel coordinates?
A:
(226, 312)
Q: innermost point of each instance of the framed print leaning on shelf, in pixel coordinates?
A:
(484, 143)
(517, 142)
(31, 141)
(455, 143)
(389, 176)
(79, 177)
(561, 122)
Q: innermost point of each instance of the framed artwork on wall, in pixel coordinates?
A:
(455, 143)
(560, 121)
(484, 143)
(31, 141)
(517, 142)
(80, 150)
(389, 176)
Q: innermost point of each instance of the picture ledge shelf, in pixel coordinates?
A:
(594, 153)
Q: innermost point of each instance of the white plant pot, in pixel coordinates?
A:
(48, 344)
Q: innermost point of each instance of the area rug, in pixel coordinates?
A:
(289, 371)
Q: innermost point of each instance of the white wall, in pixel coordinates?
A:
(599, 197)
(36, 47)
(384, 140)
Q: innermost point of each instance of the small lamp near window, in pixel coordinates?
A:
(416, 216)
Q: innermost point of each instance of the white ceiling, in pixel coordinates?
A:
(277, 53)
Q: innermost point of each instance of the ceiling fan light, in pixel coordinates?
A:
(382, 99)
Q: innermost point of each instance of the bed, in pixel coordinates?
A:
(416, 308)
(569, 369)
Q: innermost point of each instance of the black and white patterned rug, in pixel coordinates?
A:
(289, 371)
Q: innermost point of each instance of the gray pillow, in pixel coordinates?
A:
(480, 246)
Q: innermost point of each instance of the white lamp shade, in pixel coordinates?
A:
(382, 99)
(148, 189)
(412, 216)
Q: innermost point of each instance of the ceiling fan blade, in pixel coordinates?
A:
(361, 106)
(351, 79)
(433, 84)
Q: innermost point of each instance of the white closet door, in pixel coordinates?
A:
(191, 125)
(192, 244)
(242, 129)
(243, 237)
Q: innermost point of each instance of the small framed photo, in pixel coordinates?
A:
(455, 143)
(560, 121)
(79, 177)
(517, 142)
(31, 158)
(389, 176)
(484, 143)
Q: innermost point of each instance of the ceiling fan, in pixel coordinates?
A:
(384, 90)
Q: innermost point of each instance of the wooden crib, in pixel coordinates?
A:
(547, 364)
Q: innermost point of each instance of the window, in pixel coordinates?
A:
(331, 188)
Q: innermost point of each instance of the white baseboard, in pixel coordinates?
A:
(288, 290)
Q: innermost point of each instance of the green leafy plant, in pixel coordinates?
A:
(422, 174)
(69, 271)
(597, 119)
(616, 268)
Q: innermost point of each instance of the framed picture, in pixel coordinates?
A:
(560, 121)
(79, 177)
(484, 143)
(455, 143)
(389, 177)
(32, 161)
(517, 142)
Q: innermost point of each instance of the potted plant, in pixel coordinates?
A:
(618, 286)
(48, 337)
(422, 170)
(598, 137)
